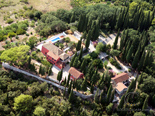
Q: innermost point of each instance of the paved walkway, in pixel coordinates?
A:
(109, 40)
(6, 65)
(55, 69)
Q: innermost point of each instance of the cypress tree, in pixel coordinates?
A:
(96, 96)
(101, 99)
(49, 71)
(145, 104)
(83, 65)
(93, 79)
(88, 40)
(112, 95)
(136, 59)
(97, 30)
(131, 86)
(113, 22)
(80, 23)
(121, 41)
(84, 35)
(85, 23)
(140, 66)
(65, 81)
(78, 47)
(72, 60)
(68, 80)
(129, 55)
(119, 21)
(125, 37)
(150, 59)
(146, 60)
(58, 76)
(140, 80)
(43, 71)
(123, 55)
(109, 94)
(74, 84)
(81, 53)
(121, 103)
(84, 85)
(100, 81)
(92, 89)
(127, 49)
(153, 100)
(64, 92)
(75, 64)
(116, 40)
(72, 18)
(61, 73)
(126, 22)
(29, 62)
(71, 97)
(148, 21)
(70, 87)
(40, 69)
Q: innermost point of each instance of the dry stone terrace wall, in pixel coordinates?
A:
(7, 66)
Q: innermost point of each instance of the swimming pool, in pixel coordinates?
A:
(56, 39)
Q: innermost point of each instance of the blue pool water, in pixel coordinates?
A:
(56, 39)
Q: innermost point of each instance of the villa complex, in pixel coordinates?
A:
(55, 55)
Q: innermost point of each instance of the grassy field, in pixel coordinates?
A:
(7, 7)
(50, 5)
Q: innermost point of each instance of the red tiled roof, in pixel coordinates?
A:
(74, 72)
(55, 51)
(120, 86)
(120, 78)
(51, 54)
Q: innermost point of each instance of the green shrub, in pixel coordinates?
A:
(27, 34)
(25, 1)
(38, 59)
(20, 31)
(115, 63)
(11, 34)
(33, 53)
(9, 21)
(98, 63)
(56, 93)
(129, 70)
(32, 24)
(93, 55)
(108, 2)
(17, 37)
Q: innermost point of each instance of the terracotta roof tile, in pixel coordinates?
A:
(120, 86)
(55, 52)
(53, 48)
(51, 54)
(120, 78)
(74, 72)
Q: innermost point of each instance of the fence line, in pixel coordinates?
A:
(6, 65)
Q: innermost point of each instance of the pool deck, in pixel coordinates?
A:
(51, 38)
(72, 38)
(56, 36)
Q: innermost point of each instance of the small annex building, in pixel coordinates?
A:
(120, 88)
(55, 55)
(123, 77)
(75, 74)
